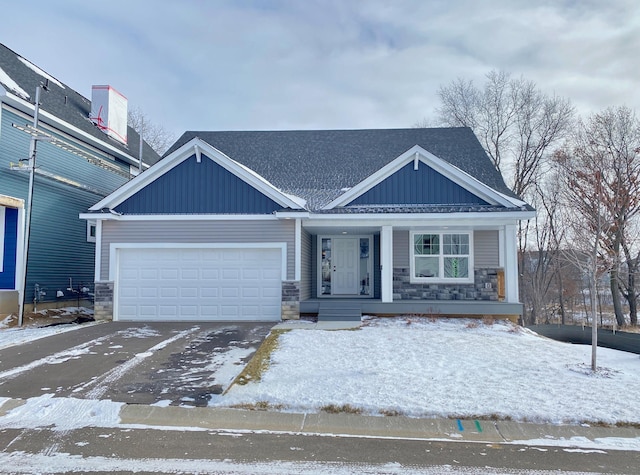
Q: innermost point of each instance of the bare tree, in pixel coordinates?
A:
(159, 138)
(584, 191)
(542, 279)
(628, 281)
(602, 173)
(516, 123)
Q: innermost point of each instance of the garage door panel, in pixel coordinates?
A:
(231, 274)
(250, 292)
(189, 292)
(210, 273)
(199, 284)
(209, 292)
(230, 292)
(168, 292)
(269, 292)
(269, 274)
(149, 292)
(169, 274)
(190, 274)
(232, 255)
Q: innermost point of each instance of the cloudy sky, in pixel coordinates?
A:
(306, 64)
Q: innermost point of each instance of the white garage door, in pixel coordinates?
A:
(199, 284)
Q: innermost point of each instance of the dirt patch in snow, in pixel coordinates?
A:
(49, 317)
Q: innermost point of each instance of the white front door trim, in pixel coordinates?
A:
(351, 292)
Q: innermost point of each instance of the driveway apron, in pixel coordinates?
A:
(168, 363)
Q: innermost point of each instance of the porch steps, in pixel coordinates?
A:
(339, 312)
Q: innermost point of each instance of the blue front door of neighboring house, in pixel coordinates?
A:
(8, 247)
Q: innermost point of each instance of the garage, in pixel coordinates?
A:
(198, 284)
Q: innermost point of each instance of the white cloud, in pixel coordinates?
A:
(326, 64)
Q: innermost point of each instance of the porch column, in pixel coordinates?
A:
(510, 264)
(386, 263)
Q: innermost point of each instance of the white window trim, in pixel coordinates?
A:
(441, 280)
(91, 224)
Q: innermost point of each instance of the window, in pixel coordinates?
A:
(444, 257)
(91, 231)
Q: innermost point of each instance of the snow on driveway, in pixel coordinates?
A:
(446, 368)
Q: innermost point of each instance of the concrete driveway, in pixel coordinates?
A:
(136, 363)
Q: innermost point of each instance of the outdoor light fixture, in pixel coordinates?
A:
(43, 136)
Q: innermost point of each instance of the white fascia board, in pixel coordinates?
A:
(96, 216)
(292, 214)
(415, 154)
(419, 219)
(178, 217)
(29, 108)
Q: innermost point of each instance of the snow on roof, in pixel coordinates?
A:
(39, 71)
(11, 84)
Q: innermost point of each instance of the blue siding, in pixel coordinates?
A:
(198, 188)
(58, 249)
(422, 186)
(14, 146)
(8, 274)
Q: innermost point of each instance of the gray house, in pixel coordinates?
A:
(333, 223)
(82, 156)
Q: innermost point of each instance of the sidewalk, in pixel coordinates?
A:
(381, 426)
(349, 425)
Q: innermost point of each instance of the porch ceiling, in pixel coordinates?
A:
(346, 230)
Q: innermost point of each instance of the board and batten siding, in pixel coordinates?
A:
(214, 232)
(486, 252)
(485, 249)
(400, 248)
(306, 263)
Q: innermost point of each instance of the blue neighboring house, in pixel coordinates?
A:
(277, 225)
(62, 246)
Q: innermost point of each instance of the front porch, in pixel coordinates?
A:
(349, 271)
(423, 308)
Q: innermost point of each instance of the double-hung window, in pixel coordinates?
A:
(441, 257)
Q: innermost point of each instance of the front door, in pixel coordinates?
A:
(345, 266)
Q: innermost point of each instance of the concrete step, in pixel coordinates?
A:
(339, 312)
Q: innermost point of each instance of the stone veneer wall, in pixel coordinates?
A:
(485, 287)
(291, 300)
(103, 307)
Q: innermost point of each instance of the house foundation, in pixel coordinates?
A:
(103, 306)
(291, 300)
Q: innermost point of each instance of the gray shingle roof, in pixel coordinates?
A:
(318, 165)
(66, 104)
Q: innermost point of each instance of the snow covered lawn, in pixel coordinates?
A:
(445, 368)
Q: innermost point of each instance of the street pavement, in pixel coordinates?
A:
(96, 363)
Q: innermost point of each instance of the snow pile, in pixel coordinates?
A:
(18, 336)
(445, 368)
(12, 85)
(62, 413)
(39, 71)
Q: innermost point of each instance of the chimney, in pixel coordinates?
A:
(109, 112)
